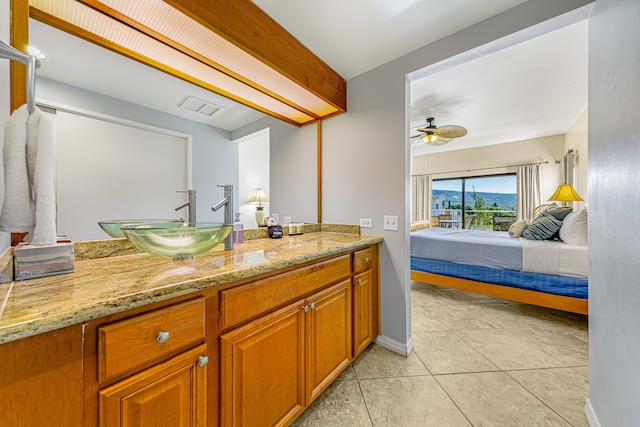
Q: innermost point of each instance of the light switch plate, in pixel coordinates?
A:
(391, 222)
(366, 223)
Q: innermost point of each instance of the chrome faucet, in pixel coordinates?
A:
(190, 204)
(227, 202)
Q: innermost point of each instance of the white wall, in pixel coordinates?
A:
(5, 105)
(614, 224)
(365, 151)
(577, 139)
(293, 168)
(253, 168)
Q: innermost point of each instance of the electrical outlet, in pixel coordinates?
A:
(286, 220)
(366, 223)
(391, 222)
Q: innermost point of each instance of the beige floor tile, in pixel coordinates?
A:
(508, 350)
(410, 401)
(495, 399)
(427, 296)
(421, 320)
(378, 362)
(554, 318)
(341, 404)
(560, 389)
(460, 317)
(506, 316)
(446, 353)
(347, 374)
(557, 343)
(583, 370)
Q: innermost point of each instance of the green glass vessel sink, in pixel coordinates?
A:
(177, 241)
(112, 227)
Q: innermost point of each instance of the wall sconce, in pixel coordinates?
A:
(259, 196)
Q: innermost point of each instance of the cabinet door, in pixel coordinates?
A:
(364, 328)
(173, 393)
(262, 370)
(328, 337)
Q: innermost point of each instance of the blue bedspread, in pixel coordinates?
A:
(493, 249)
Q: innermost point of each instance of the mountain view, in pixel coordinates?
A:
(499, 201)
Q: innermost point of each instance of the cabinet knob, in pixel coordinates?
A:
(163, 337)
(366, 260)
(203, 361)
(305, 308)
(312, 305)
(359, 281)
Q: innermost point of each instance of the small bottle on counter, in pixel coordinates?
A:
(238, 231)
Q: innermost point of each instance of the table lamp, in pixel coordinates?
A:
(259, 196)
(566, 193)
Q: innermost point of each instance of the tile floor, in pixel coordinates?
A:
(477, 361)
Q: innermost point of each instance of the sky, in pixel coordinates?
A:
(494, 184)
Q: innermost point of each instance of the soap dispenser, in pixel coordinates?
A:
(238, 236)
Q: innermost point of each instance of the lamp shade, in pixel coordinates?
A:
(259, 196)
(566, 193)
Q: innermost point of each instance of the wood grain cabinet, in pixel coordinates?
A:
(172, 390)
(365, 306)
(276, 365)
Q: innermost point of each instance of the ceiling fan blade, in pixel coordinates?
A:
(453, 131)
(416, 142)
(415, 136)
(432, 130)
(440, 141)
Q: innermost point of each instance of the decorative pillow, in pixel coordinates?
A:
(543, 227)
(574, 230)
(558, 212)
(518, 227)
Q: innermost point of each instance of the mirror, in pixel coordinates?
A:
(80, 79)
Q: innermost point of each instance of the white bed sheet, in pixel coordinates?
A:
(554, 257)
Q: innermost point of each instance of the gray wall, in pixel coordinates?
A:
(366, 166)
(614, 227)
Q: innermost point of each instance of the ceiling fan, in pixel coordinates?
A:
(434, 135)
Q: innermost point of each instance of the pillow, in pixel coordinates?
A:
(558, 212)
(543, 227)
(574, 230)
(518, 227)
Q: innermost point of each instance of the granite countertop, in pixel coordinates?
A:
(109, 285)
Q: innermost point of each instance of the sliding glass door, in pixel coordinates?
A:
(487, 202)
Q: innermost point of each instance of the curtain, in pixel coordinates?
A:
(528, 190)
(420, 197)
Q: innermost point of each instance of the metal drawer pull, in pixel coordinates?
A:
(203, 361)
(366, 260)
(359, 281)
(313, 305)
(305, 308)
(162, 337)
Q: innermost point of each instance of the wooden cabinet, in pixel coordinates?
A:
(274, 366)
(172, 390)
(365, 299)
(172, 393)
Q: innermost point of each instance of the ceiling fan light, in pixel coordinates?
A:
(430, 137)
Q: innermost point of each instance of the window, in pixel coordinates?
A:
(485, 202)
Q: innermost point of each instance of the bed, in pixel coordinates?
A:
(548, 273)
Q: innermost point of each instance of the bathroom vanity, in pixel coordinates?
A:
(244, 337)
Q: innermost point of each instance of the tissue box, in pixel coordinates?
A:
(31, 262)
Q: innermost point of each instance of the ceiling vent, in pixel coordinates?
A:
(199, 106)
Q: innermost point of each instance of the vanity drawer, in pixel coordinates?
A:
(248, 301)
(149, 338)
(361, 260)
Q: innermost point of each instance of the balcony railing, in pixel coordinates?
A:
(496, 220)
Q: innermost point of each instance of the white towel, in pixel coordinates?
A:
(18, 209)
(40, 168)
